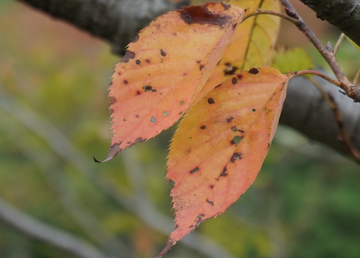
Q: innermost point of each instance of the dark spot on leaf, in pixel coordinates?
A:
(198, 61)
(126, 82)
(229, 119)
(137, 116)
(110, 83)
(202, 15)
(138, 92)
(194, 170)
(138, 62)
(139, 139)
(268, 146)
(136, 38)
(152, 119)
(162, 52)
(211, 186)
(235, 129)
(239, 76)
(176, 226)
(253, 110)
(236, 139)
(124, 119)
(111, 111)
(200, 216)
(217, 86)
(128, 55)
(234, 26)
(235, 156)
(165, 113)
(184, 74)
(254, 70)
(211, 101)
(119, 73)
(201, 67)
(203, 127)
(181, 103)
(191, 226)
(147, 88)
(147, 61)
(180, 113)
(230, 70)
(210, 202)
(234, 80)
(112, 100)
(224, 172)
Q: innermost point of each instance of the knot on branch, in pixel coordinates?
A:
(355, 93)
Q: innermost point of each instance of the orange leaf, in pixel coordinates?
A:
(221, 144)
(252, 45)
(164, 67)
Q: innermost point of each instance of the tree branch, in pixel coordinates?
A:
(116, 21)
(343, 14)
(304, 109)
(49, 234)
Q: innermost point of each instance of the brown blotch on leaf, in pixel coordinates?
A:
(229, 119)
(124, 119)
(224, 172)
(217, 86)
(138, 62)
(112, 100)
(136, 38)
(147, 88)
(211, 101)
(230, 70)
(147, 61)
(110, 83)
(203, 127)
(253, 110)
(119, 73)
(111, 111)
(138, 93)
(236, 139)
(194, 170)
(254, 70)
(162, 52)
(152, 119)
(126, 82)
(235, 129)
(200, 216)
(210, 202)
(239, 76)
(198, 61)
(176, 226)
(268, 146)
(202, 15)
(234, 26)
(128, 55)
(234, 81)
(211, 186)
(201, 67)
(235, 156)
(140, 139)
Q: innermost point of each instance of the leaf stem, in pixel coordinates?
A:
(317, 73)
(291, 15)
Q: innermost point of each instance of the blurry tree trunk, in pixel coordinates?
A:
(118, 21)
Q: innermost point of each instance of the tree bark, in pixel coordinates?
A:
(118, 21)
(343, 14)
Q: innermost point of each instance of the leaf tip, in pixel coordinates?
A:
(168, 246)
(114, 150)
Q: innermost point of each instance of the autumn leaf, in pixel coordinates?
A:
(252, 45)
(164, 67)
(221, 144)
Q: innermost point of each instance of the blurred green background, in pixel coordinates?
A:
(54, 117)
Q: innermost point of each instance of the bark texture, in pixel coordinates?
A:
(118, 21)
(343, 14)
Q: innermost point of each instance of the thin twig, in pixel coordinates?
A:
(356, 78)
(351, 90)
(46, 233)
(344, 138)
(338, 43)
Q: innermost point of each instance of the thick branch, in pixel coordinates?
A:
(116, 21)
(343, 14)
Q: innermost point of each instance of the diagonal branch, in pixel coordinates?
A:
(49, 234)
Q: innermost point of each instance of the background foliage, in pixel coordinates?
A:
(54, 118)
